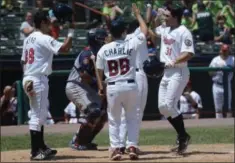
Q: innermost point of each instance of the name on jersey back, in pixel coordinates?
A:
(117, 52)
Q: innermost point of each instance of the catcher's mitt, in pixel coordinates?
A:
(153, 67)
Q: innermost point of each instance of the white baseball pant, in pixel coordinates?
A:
(122, 95)
(142, 84)
(218, 96)
(170, 90)
(39, 102)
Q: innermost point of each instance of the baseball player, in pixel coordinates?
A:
(38, 51)
(81, 89)
(223, 60)
(116, 60)
(141, 80)
(190, 103)
(176, 49)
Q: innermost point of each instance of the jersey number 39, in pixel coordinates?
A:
(118, 66)
(29, 56)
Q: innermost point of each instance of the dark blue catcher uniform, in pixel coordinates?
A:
(81, 89)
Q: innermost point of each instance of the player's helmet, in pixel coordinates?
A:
(96, 38)
(117, 27)
(63, 12)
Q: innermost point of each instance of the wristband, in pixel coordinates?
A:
(71, 32)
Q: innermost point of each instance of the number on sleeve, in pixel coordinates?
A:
(116, 66)
(29, 56)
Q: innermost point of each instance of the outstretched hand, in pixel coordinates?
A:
(135, 9)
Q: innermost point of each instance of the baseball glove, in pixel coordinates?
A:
(28, 87)
(153, 67)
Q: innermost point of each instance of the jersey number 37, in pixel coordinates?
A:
(118, 66)
(29, 56)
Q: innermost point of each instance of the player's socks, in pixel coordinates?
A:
(35, 143)
(42, 138)
(178, 124)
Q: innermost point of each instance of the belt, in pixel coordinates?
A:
(219, 83)
(128, 81)
(137, 69)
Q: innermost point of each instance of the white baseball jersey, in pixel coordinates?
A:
(142, 52)
(71, 110)
(219, 62)
(117, 58)
(185, 105)
(38, 51)
(174, 42)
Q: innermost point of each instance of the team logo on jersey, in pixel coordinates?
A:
(168, 41)
(188, 42)
(53, 43)
(141, 38)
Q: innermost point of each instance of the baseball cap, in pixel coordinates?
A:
(186, 12)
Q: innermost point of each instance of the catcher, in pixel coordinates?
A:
(81, 89)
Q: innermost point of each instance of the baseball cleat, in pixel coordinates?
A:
(133, 153)
(175, 147)
(78, 147)
(39, 156)
(50, 152)
(183, 144)
(122, 150)
(115, 154)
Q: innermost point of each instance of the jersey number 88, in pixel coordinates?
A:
(118, 66)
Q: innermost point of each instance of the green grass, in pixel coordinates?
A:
(214, 135)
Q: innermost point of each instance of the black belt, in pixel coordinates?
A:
(128, 81)
(219, 83)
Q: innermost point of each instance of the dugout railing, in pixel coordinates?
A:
(23, 104)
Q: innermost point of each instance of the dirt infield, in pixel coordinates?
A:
(195, 153)
(70, 128)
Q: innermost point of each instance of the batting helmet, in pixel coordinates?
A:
(153, 67)
(117, 27)
(96, 38)
(63, 12)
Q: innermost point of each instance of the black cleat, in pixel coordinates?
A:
(183, 144)
(50, 152)
(38, 156)
(122, 150)
(176, 145)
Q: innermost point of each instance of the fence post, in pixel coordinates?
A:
(20, 104)
(225, 81)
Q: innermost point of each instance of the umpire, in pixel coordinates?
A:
(81, 89)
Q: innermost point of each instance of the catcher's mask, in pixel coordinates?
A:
(96, 38)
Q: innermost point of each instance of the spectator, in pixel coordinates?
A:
(190, 103)
(205, 23)
(187, 20)
(223, 60)
(111, 9)
(214, 7)
(6, 107)
(222, 33)
(70, 114)
(229, 13)
(27, 26)
(7, 4)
